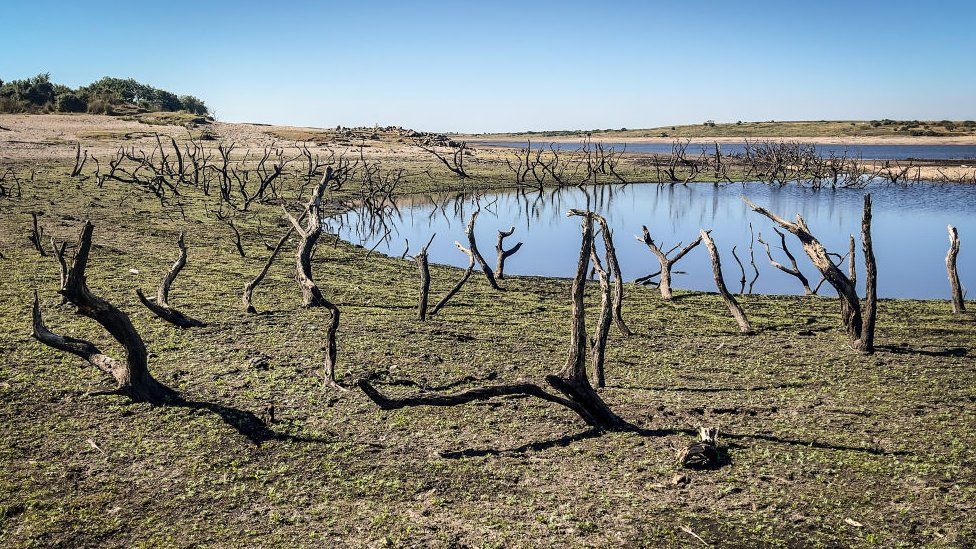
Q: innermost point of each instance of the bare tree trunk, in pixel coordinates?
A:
(737, 313)
(473, 246)
(161, 307)
(958, 305)
(424, 267)
(613, 269)
(36, 235)
(851, 264)
(866, 343)
(132, 377)
(502, 254)
(250, 286)
(599, 341)
(666, 263)
(457, 287)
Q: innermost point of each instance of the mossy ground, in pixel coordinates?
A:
(826, 447)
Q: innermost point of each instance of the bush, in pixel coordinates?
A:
(71, 102)
(99, 106)
(194, 105)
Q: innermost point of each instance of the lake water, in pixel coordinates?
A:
(909, 230)
(874, 152)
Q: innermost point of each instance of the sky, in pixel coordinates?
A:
(493, 66)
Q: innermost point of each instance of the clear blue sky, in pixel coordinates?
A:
(498, 66)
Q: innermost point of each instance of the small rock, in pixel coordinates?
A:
(679, 479)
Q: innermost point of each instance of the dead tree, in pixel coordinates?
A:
(958, 305)
(851, 267)
(737, 313)
(457, 287)
(473, 246)
(572, 385)
(859, 326)
(666, 262)
(502, 254)
(131, 376)
(309, 235)
(250, 286)
(793, 269)
(36, 236)
(742, 271)
(598, 342)
(79, 161)
(424, 267)
(227, 220)
(613, 270)
(161, 306)
(456, 163)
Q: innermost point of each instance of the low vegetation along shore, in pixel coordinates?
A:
(259, 445)
(862, 132)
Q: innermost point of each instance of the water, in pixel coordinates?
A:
(909, 230)
(873, 152)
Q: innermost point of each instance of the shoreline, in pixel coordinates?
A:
(855, 140)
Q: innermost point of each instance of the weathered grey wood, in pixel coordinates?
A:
(161, 306)
(958, 305)
(253, 284)
(737, 313)
(501, 254)
(473, 246)
(457, 287)
(666, 262)
(132, 376)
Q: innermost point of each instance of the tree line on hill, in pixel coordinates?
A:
(38, 94)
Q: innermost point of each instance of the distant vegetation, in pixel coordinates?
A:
(39, 94)
(821, 128)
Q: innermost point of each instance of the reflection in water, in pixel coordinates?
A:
(909, 229)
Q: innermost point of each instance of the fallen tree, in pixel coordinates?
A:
(572, 385)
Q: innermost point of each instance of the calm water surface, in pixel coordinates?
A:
(909, 230)
(875, 152)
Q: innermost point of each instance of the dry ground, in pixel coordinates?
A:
(825, 447)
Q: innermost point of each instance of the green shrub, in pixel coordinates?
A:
(71, 102)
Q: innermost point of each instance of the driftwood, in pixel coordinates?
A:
(131, 376)
(737, 313)
(859, 326)
(457, 287)
(572, 383)
(250, 286)
(161, 306)
(958, 305)
(793, 269)
(473, 246)
(424, 267)
(501, 254)
(851, 263)
(663, 258)
(702, 454)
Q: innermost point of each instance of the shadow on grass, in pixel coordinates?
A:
(952, 351)
(789, 385)
(724, 457)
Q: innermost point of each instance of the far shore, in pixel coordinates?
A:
(866, 140)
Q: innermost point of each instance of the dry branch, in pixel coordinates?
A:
(737, 313)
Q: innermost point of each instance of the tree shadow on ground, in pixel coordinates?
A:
(789, 385)
(724, 457)
(898, 350)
